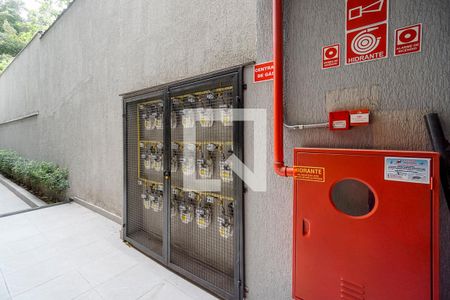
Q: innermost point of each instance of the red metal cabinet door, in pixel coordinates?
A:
(384, 255)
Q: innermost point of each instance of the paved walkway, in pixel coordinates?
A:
(70, 252)
(9, 202)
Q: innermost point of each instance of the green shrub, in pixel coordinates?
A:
(8, 159)
(45, 179)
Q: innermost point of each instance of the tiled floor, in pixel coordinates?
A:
(9, 202)
(70, 252)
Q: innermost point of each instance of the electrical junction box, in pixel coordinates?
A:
(366, 225)
(359, 117)
(339, 120)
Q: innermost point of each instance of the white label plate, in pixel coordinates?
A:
(406, 169)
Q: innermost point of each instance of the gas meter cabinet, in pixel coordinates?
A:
(183, 203)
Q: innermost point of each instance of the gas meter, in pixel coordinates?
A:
(174, 160)
(147, 157)
(158, 157)
(188, 161)
(186, 207)
(225, 169)
(159, 116)
(188, 114)
(177, 194)
(206, 117)
(156, 198)
(149, 120)
(226, 115)
(146, 199)
(173, 120)
(225, 221)
(205, 163)
(203, 213)
(188, 118)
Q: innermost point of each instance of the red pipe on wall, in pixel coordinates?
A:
(278, 117)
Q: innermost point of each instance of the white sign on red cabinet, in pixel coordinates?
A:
(408, 40)
(366, 30)
(331, 56)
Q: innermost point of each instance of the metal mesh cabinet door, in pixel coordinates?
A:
(144, 174)
(202, 231)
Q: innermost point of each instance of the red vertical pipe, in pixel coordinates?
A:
(278, 117)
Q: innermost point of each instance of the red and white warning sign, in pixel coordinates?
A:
(331, 56)
(363, 13)
(263, 72)
(366, 44)
(408, 40)
(366, 30)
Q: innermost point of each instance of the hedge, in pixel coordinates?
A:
(44, 179)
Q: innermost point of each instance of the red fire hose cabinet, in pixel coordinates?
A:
(366, 225)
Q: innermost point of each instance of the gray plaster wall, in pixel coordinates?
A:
(398, 90)
(97, 50)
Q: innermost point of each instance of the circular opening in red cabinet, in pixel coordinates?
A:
(353, 197)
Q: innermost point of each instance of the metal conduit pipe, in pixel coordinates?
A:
(278, 117)
(441, 145)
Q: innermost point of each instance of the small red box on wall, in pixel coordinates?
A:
(339, 120)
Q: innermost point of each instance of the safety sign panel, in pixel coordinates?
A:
(331, 56)
(309, 173)
(415, 170)
(366, 30)
(363, 13)
(263, 72)
(408, 40)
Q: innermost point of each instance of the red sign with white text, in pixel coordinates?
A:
(366, 44)
(366, 30)
(263, 72)
(363, 13)
(408, 40)
(331, 56)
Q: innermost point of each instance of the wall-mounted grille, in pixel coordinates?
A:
(176, 137)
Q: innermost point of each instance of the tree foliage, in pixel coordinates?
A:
(16, 31)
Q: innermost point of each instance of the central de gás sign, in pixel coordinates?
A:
(263, 72)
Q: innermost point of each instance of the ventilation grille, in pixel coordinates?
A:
(352, 291)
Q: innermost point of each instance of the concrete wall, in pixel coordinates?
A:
(398, 90)
(97, 50)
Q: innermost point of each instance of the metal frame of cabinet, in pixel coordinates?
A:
(210, 262)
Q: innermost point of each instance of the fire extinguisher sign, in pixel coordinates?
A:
(366, 30)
